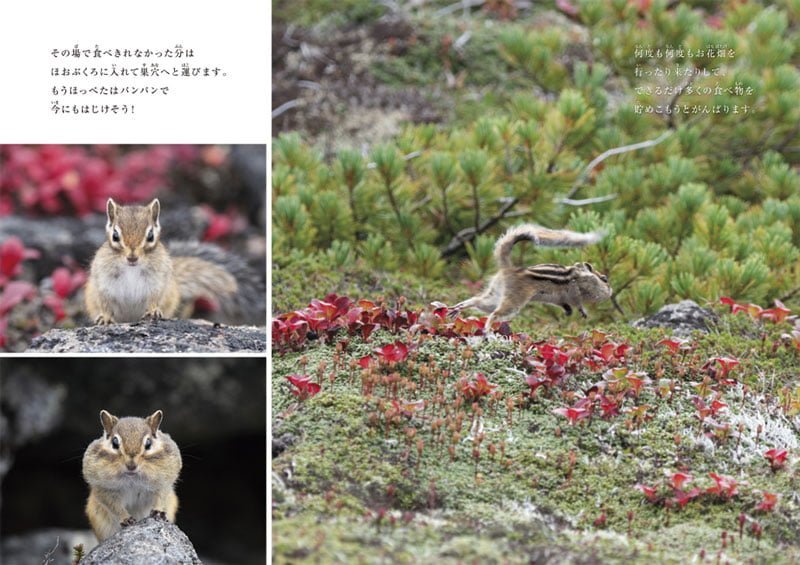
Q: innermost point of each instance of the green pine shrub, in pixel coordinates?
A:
(713, 209)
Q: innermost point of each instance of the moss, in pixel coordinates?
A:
(348, 468)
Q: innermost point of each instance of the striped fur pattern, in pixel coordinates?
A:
(512, 287)
(540, 237)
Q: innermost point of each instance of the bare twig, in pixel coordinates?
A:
(791, 294)
(586, 201)
(611, 152)
(460, 5)
(406, 157)
(286, 106)
(459, 43)
(48, 557)
(468, 234)
(309, 84)
(788, 138)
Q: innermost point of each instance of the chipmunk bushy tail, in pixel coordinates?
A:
(207, 272)
(540, 236)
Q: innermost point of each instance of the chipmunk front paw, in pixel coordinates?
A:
(159, 515)
(103, 320)
(153, 315)
(129, 521)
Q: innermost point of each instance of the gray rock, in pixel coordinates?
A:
(48, 547)
(164, 336)
(153, 541)
(683, 318)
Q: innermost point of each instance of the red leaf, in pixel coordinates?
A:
(677, 480)
(56, 304)
(14, 293)
(768, 504)
(573, 414)
(12, 253)
(649, 492)
(777, 457)
(304, 388)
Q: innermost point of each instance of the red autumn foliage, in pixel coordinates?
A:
(12, 253)
(304, 388)
(768, 503)
(64, 179)
(776, 314)
(724, 486)
(477, 388)
(776, 457)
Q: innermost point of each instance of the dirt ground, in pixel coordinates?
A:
(323, 87)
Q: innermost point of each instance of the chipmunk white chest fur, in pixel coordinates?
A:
(513, 287)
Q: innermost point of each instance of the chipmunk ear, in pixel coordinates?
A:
(589, 267)
(155, 209)
(108, 421)
(111, 210)
(154, 421)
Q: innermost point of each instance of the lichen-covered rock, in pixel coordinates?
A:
(154, 541)
(683, 318)
(163, 336)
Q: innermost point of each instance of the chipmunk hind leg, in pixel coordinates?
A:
(487, 301)
(508, 309)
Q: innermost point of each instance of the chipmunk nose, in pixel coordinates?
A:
(132, 259)
(131, 465)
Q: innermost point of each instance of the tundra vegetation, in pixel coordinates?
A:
(400, 433)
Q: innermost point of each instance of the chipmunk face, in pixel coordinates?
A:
(594, 286)
(130, 448)
(133, 230)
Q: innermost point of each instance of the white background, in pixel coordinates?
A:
(233, 35)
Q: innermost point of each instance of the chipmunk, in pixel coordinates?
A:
(131, 471)
(513, 287)
(134, 276)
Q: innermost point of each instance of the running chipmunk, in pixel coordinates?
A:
(513, 287)
(131, 471)
(134, 276)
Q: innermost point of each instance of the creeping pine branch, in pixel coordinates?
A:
(674, 101)
(611, 152)
(468, 234)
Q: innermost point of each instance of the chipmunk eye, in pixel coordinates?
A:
(151, 237)
(115, 236)
(604, 278)
(148, 443)
(115, 442)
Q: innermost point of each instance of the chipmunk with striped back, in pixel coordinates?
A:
(512, 287)
(135, 276)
